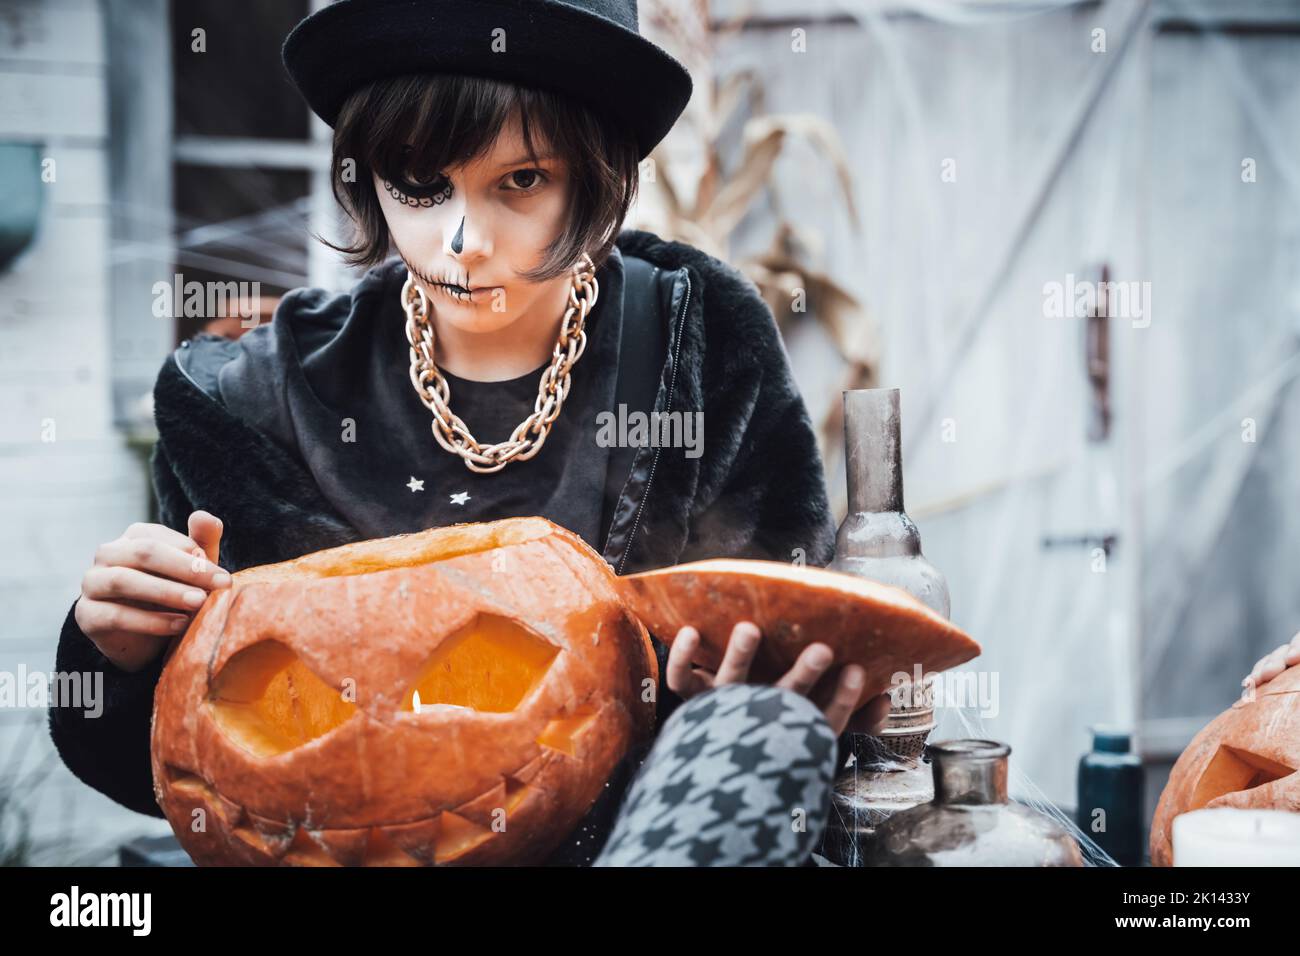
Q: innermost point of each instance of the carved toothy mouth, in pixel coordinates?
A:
(439, 838)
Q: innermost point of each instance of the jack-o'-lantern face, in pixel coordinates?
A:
(1247, 757)
(456, 696)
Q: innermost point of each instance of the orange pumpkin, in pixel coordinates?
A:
(1247, 757)
(456, 696)
(881, 628)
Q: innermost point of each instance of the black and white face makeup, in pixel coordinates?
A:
(468, 233)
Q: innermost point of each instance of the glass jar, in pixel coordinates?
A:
(878, 541)
(971, 821)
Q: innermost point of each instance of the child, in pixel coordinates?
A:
(495, 149)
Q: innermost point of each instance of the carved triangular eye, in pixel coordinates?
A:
(490, 665)
(1233, 770)
(267, 701)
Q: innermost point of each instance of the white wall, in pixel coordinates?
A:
(1066, 157)
(59, 499)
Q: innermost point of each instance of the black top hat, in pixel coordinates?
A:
(591, 50)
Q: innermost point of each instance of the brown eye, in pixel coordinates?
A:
(528, 180)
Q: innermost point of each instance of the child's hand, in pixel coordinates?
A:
(145, 586)
(815, 659)
(1270, 665)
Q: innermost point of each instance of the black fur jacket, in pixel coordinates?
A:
(758, 490)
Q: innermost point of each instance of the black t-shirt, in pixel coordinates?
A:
(329, 378)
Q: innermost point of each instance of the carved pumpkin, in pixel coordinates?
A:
(288, 712)
(1247, 757)
(882, 628)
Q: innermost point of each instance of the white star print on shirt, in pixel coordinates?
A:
(460, 498)
(415, 484)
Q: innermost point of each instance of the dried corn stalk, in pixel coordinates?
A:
(708, 215)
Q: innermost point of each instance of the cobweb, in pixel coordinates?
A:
(1022, 789)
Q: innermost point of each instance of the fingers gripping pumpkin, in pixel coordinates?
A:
(456, 696)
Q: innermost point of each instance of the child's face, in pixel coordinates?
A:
(511, 211)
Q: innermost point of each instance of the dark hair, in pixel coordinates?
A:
(451, 119)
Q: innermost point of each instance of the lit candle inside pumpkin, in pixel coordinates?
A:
(1227, 836)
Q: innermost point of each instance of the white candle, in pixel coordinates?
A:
(1227, 836)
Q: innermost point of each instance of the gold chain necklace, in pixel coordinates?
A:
(528, 437)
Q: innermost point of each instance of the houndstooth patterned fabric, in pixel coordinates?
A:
(739, 776)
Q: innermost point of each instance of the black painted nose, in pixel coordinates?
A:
(458, 240)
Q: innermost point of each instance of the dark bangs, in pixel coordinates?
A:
(452, 119)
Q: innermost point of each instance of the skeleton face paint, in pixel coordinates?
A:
(496, 218)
